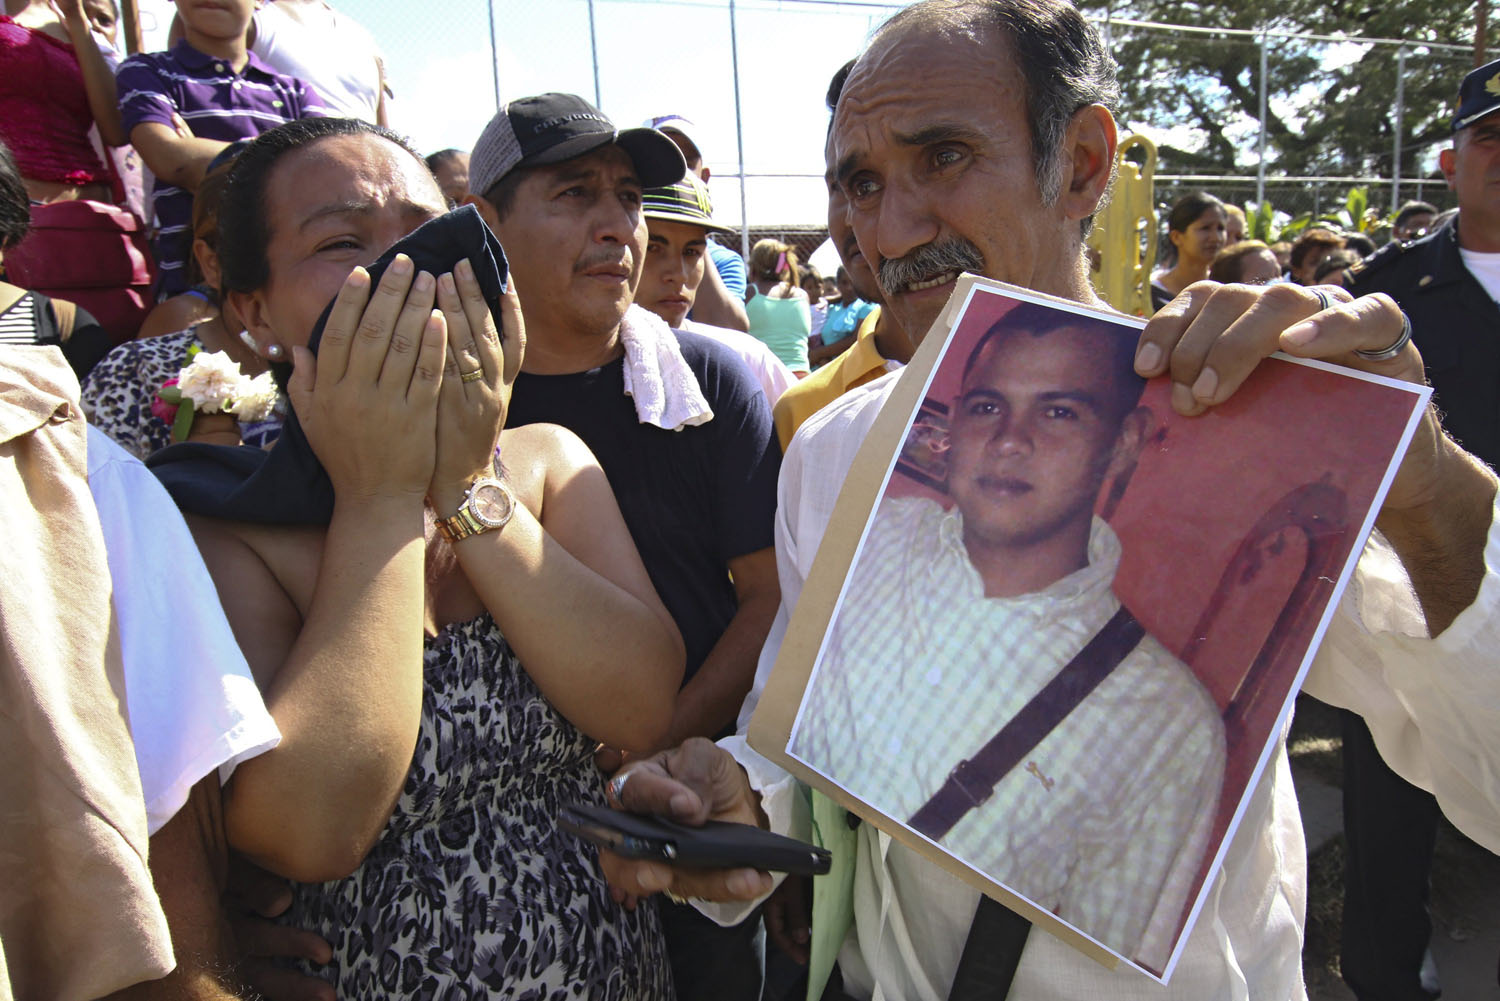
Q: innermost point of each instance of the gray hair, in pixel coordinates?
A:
(1061, 57)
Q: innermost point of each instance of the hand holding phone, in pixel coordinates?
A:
(715, 845)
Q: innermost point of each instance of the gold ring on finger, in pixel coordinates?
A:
(474, 375)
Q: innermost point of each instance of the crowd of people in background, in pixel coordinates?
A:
(481, 458)
(1205, 238)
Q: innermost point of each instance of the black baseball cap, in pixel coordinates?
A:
(1478, 96)
(551, 128)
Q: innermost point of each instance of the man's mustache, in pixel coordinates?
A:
(928, 262)
(606, 258)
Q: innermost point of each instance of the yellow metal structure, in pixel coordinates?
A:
(1122, 245)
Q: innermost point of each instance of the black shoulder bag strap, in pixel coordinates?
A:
(997, 936)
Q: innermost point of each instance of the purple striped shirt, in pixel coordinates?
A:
(217, 103)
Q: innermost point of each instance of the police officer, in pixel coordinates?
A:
(1448, 283)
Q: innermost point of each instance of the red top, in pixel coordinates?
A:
(44, 109)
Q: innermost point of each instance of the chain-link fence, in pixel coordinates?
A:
(1297, 119)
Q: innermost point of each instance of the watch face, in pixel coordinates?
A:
(491, 503)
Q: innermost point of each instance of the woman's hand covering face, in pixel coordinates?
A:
(368, 402)
(471, 413)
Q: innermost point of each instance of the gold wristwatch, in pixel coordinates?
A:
(487, 506)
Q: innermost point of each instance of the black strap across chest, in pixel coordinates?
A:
(998, 935)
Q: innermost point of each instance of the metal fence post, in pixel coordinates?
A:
(739, 133)
(1400, 107)
(594, 52)
(1260, 169)
(494, 55)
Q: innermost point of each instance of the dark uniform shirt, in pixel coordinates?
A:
(1456, 326)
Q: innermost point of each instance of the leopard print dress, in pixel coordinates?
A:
(118, 392)
(472, 891)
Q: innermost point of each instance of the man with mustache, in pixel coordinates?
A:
(679, 425)
(944, 602)
(880, 345)
(985, 126)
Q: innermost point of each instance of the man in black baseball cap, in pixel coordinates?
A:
(582, 240)
(696, 480)
(551, 128)
(1448, 283)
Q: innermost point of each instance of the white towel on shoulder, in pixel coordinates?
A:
(657, 377)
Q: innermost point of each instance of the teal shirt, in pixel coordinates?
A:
(784, 325)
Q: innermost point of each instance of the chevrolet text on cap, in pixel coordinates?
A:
(581, 116)
(553, 128)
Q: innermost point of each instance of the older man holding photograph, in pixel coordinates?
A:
(977, 135)
(956, 620)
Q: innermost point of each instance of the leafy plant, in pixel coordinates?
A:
(1357, 215)
(1264, 222)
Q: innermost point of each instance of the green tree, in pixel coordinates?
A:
(1332, 106)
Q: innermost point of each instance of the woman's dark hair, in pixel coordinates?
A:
(1228, 265)
(1185, 212)
(1360, 244)
(15, 205)
(442, 156)
(206, 221)
(1313, 240)
(243, 211)
(1335, 262)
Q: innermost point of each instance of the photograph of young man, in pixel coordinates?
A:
(956, 618)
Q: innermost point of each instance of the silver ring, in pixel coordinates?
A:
(1385, 354)
(617, 786)
(1325, 301)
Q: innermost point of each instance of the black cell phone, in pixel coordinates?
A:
(715, 845)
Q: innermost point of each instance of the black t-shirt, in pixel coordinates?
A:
(693, 499)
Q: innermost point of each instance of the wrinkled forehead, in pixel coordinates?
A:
(914, 77)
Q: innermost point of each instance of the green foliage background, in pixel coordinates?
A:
(1332, 107)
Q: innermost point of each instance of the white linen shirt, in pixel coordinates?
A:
(1432, 705)
(1105, 821)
